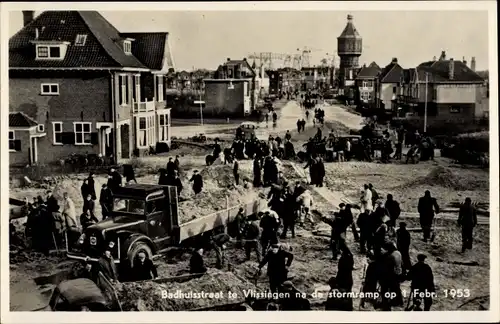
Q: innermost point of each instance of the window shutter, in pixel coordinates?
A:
(94, 138)
(17, 145)
(68, 137)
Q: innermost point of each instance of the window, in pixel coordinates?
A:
(12, 141)
(49, 89)
(146, 131)
(137, 90)
(41, 128)
(163, 128)
(160, 88)
(130, 206)
(123, 90)
(394, 90)
(365, 96)
(82, 133)
(127, 47)
(57, 133)
(80, 40)
(48, 52)
(367, 84)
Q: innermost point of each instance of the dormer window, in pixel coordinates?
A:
(127, 47)
(50, 50)
(80, 40)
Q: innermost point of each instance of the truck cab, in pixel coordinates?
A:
(144, 219)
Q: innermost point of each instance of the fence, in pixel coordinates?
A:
(219, 218)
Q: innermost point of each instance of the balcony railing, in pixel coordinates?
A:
(144, 106)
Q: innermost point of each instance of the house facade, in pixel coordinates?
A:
(233, 91)
(452, 90)
(367, 84)
(389, 85)
(89, 88)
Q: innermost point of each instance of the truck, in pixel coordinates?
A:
(145, 218)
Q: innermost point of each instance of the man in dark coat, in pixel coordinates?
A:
(422, 280)
(345, 268)
(114, 179)
(257, 172)
(427, 207)
(391, 277)
(236, 172)
(278, 261)
(144, 269)
(89, 205)
(197, 182)
(289, 215)
(218, 243)
(312, 165)
(217, 150)
(269, 225)
(85, 189)
(339, 226)
(129, 173)
(365, 231)
(106, 201)
(91, 182)
(87, 219)
(403, 243)
(52, 204)
(467, 219)
(107, 266)
(393, 209)
(177, 163)
(163, 179)
(196, 263)
(170, 167)
(299, 125)
(176, 181)
(251, 235)
(42, 228)
(320, 172)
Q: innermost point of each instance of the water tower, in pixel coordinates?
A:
(349, 47)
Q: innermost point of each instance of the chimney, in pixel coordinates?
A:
(394, 60)
(228, 59)
(464, 61)
(245, 59)
(473, 64)
(443, 56)
(451, 70)
(28, 17)
(434, 59)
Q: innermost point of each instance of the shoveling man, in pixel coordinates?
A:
(427, 208)
(278, 262)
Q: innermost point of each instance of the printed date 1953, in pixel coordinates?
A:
(446, 293)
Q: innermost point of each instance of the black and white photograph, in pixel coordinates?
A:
(190, 159)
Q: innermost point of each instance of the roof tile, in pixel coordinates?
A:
(20, 119)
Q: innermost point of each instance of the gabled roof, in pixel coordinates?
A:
(392, 73)
(152, 49)
(371, 71)
(20, 119)
(408, 75)
(242, 62)
(438, 72)
(102, 49)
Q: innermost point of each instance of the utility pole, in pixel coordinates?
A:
(425, 103)
(200, 102)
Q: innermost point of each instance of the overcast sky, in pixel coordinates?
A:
(206, 39)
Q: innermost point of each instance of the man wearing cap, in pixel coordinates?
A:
(170, 167)
(269, 225)
(467, 219)
(403, 243)
(391, 277)
(107, 265)
(427, 207)
(278, 261)
(339, 226)
(197, 182)
(106, 201)
(422, 280)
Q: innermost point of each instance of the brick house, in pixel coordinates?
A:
(367, 83)
(233, 91)
(89, 88)
(389, 82)
(455, 92)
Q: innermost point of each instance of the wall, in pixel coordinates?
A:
(85, 95)
(221, 101)
(456, 93)
(22, 157)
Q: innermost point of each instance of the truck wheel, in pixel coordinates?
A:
(136, 249)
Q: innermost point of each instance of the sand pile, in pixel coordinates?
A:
(147, 296)
(442, 177)
(218, 183)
